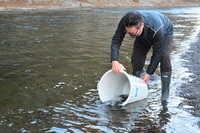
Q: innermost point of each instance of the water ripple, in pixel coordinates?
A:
(51, 63)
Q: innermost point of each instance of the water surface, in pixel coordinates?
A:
(51, 62)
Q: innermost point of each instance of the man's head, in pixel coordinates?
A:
(133, 24)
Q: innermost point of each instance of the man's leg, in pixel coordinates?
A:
(165, 80)
(166, 70)
(138, 58)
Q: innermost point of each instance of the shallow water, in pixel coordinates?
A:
(51, 62)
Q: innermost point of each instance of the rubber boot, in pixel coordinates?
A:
(140, 73)
(165, 80)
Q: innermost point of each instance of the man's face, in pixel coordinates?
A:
(133, 31)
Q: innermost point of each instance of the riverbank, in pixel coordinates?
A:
(58, 4)
(190, 89)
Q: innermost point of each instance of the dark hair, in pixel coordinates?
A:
(133, 19)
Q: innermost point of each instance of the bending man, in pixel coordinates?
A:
(150, 30)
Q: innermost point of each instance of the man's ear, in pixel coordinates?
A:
(142, 24)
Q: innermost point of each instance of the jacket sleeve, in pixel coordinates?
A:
(158, 43)
(117, 40)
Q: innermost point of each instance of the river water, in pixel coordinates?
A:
(51, 62)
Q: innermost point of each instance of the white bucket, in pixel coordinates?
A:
(112, 85)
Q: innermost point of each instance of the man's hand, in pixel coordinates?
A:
(117, 67)
(146, 78)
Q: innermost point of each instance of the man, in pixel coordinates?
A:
(150, 30)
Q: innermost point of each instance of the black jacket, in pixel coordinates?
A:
(156, 28)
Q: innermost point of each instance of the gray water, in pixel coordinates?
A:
(51, 62)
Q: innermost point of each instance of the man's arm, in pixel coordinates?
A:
(158, 43)
(115, 46)
(117, 40)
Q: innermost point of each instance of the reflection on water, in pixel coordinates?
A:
(51, 62)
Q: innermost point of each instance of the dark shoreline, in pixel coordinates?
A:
(190, 90)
